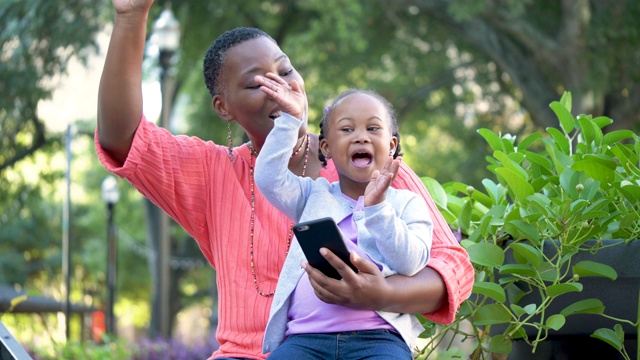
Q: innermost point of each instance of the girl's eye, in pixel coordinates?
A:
(346, 129)
(373, 128)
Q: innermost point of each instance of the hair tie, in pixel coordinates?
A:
(326, 110)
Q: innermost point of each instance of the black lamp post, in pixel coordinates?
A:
(111, 195)
(166, 30)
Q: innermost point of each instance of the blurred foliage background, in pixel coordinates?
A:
(449, 66)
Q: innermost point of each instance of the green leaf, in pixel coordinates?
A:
(608, 336)
(560, 140)
(530, 309)
(567, 123)
(517, 310)
(520, 229)
(592, 268)
(565, 100)
(518, 184)
(518, 269)
(532, 255)
(500, 344)
(465, 216)
(492, 139)
(602, 121)
(540, 160)
(489, 289)
(495, 191)
(617, 136)
(597, 168)
(556, 321)
(492, 314)
(631, 193)
(587, 306)
(486, 254)
(527, 141)
(560, 289)
(508, 163)
(588, 131)
(436, 191)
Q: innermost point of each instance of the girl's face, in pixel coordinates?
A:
(359, 140)
(241, 98)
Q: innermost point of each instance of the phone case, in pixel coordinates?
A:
(314, 234)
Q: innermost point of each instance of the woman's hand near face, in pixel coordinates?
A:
(290, 97)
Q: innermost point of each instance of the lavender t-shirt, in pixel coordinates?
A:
(308, 314)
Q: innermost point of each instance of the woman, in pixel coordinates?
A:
(209, 190)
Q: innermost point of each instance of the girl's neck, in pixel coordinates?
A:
(351, 188)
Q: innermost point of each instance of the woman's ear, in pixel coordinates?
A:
(220, 106)
(324, 147)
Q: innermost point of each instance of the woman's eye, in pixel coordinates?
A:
(287, 73)
(254, 87)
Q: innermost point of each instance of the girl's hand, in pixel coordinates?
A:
(365, 290)
(376, 191)
(290, 97)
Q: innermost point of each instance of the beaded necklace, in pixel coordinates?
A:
(254, 154)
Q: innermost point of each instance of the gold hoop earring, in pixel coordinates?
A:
(230, 140)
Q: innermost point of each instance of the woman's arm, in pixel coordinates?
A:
(120, 92)
(424, 292)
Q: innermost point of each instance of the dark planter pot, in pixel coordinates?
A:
(620, 298)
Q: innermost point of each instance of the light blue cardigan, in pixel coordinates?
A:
(395, 233)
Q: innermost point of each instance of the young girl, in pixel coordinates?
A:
(391, 227)
(209, 188)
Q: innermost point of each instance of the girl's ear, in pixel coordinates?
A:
(220, 106)
(393, 144)
(324, 147)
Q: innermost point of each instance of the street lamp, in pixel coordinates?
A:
(110, 196)
(166, 30)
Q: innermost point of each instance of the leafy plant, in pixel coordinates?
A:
(570, 191)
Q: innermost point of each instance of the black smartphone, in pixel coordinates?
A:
(314, 234)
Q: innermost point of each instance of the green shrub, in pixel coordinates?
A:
(569, 190)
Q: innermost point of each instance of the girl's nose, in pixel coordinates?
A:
(361, 136)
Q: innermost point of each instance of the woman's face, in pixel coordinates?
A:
(241, 98)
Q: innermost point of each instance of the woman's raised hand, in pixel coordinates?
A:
(290, 97)
(132, 6)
